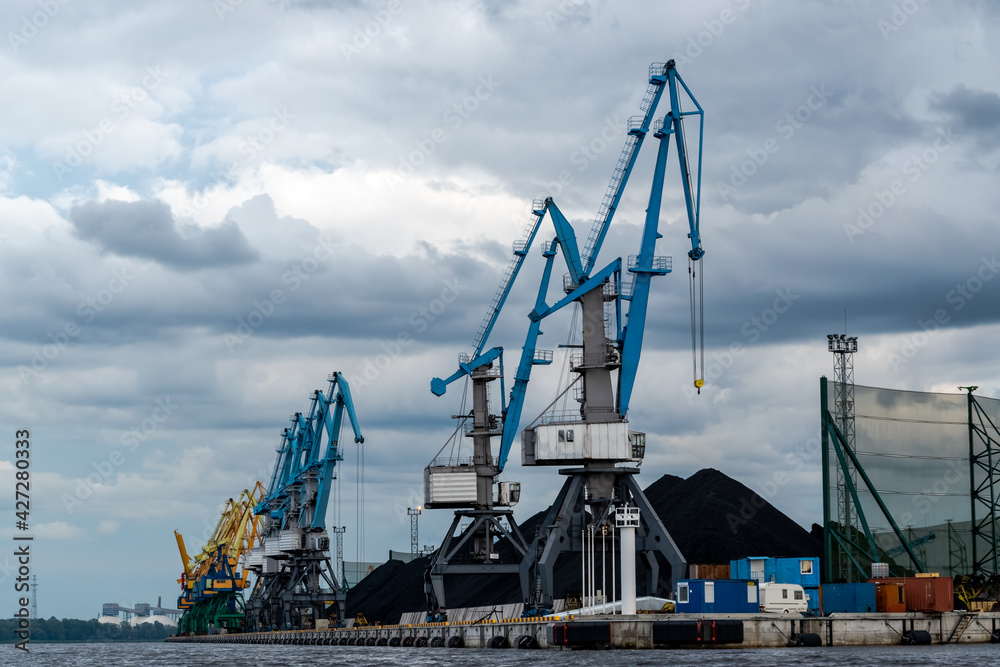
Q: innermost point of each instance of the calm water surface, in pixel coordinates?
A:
(169, 655)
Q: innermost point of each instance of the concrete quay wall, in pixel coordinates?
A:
(647, 631)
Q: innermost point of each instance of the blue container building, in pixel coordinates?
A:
(850, 598)
(722, 596)
(803, 571)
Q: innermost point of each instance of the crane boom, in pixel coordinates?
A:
(185, 558)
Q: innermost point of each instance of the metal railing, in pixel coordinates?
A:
(609, 196)
(494, 428)
(560, 417)
(628, 287)
(610, 356)
(658, 263)
(568, 283)
(487, 372)
(542, 357)
(456, 462)
(657, 69)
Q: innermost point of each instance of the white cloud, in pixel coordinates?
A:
(107, 527)
(58, 530)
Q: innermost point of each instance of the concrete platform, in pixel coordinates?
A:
(647, 631)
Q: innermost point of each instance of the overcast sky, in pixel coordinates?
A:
(208, 206)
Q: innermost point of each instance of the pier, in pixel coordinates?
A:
(650, 631)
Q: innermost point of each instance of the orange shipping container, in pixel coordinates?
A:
(927, 593)
(710, 571)
(890, 596)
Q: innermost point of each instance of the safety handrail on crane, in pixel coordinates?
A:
(623, 168)
(520, 251)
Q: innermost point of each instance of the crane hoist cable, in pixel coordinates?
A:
(359, 511)
(570, 341)
(696, 278)
(456, 439)
(361, 523)
(696, 281)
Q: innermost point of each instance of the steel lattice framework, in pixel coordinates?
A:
(920, 473)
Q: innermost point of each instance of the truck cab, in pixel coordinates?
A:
(783, 598)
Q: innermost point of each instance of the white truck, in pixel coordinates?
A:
(783, 598)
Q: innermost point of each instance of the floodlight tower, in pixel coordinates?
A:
(843, 348)
(339, 532)
(414, 541)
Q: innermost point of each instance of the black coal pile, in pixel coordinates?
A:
(712, 518)
(715, 519)
(390, 590)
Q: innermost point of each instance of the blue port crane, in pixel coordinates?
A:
(580, 265)
(613, 322)
(603, 411)
(296, 587)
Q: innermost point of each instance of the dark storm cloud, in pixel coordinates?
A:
(976, 113)
(147, 229)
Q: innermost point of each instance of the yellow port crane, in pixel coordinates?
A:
(211, 582)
